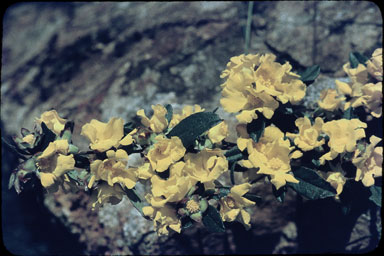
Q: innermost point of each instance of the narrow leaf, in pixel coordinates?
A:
(11, 180)
(348, 114)
(253, 197)
(169, 114)
(256, 128)
(81, 161)
(355, 58)
(48, 136)
(234, 158)
(232, 173)
(311, 185)
(376, 195)
(193, 126)
(128, 127)
(310, 74)
(233, 151)
(11, 145)
(212, 220)
(135, 199)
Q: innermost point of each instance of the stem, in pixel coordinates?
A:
(86, 153)
(258, 178)
(248, 27)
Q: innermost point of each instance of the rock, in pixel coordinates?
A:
(99, 60)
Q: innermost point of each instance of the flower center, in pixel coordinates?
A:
(275, 163)
(231, 202)
(193, 206)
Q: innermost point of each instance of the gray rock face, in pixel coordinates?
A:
(99, 60)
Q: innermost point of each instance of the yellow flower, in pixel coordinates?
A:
(113, 170)
(186, 112)
(307, 138)
(172, 189)
(254, 81)
(354, 89)
(272, 155)
(358, 74)
(234, 203)
(145, 171)
(337, 181)
(375, 64)
(54, 162)
(53, 121)
(165, 152)
(103, 136)
(30, 139)
(343, 135)
(106, 194)
(373, 95)
(163, 218)
(219, 132)
(158, 122)
(369, 162)
(330, 100)
(206, 166)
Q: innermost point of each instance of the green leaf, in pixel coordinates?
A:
(11, 145)
(193, 126)
(256, 128)
(376, 195)
(47, 137)
(348, 114)
(253, 197)
(135, 199)
(355, 58)
(235, 158)
(232, 173)
(311, 185)
(128, 127)
(310, 74)
(233, 151)
(169, 114)
(212, 220)
(11, 180)
(81, 161)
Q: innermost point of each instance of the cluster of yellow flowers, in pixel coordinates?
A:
(361, 90)
(254, 84)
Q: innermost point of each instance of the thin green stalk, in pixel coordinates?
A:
(248, 27)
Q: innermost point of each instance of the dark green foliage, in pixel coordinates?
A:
(212, 220)
(311, 185)
(193, 126)
(355, 58)
(309, 75)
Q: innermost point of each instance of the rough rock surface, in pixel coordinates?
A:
(98, 60)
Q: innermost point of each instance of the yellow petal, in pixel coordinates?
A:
(47, 179)
(296, 154)
(149, 211)
(64, 164)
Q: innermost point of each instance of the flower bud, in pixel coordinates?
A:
(196, 216)
(30, 164)
(182, 212)
(72, 149)
(203, 205)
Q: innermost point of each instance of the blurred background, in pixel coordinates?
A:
(104, 59)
